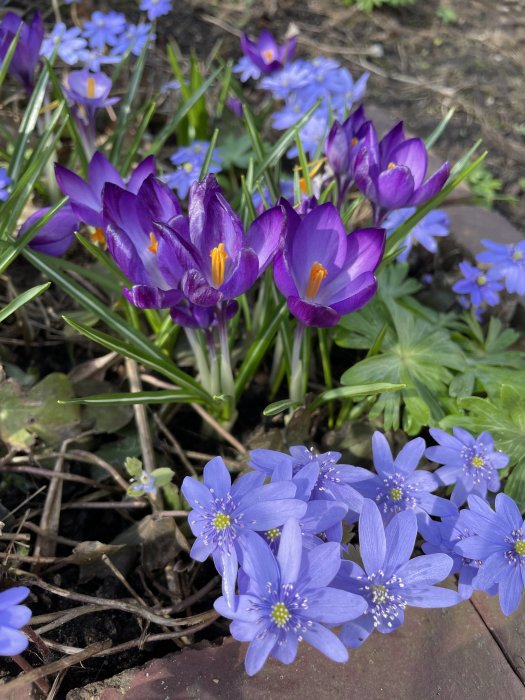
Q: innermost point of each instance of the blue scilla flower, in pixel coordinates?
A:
(71, 45)
(390, 580)
(499, 543)
(156, 8)
(94, 59)
(135, 36)
(12, 617)
(104, 28)
(287, 598)
(5, 181)
(472, 464)
(435, 224)
(295, 75)
(333, 482)
(190, 160)
(223, 512)
(399, 485)
(483, 286)
(508, 262)
(246, 69)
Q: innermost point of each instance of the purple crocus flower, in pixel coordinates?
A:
(288, 599)
(139, 248)
(219, 260)
(500, 543)
(391, 581)
(55, 237)
(322, 272)
(470, 463)
(483, 286)
(391, 173)
(399, 486)
(27, 52)
(508, 261)
(222, 514)
(88, 92)
(342, 142)
(12, 617)
(265, 53)
(86, 197)
(205, 317)
(435, 224)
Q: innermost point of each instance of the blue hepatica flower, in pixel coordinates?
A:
(332, 481)
(71, 44)
(190, 160)
(222, 514)
(399, 486)
(508, 262)
(287, 598)
(104, 28)
(156, 8)
(12, 617)
(435, 224)
(500, 543)
(470, 463)
(5, 181)
(483, 286)
(391, 581)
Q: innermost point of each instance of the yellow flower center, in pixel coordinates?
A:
(187, 167)
(477, 462)
(481, 280)
(519, 546)
(273, 534)
(90, 88)
(317, 274)
(221, 521)
(97, 236)
(390, 166)
(154, 244)
(396, 494)
(268, 55)
(517, 255)
(218, 257)
(280, 614)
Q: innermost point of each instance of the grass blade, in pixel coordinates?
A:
(22, 299)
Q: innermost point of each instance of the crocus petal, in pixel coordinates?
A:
(365, 250)
(217, 478)
(412, 154)
(395, 187)
(510, 590)
(326, 641)
(372, 539)
(197, 289)
(431, 187)
(242, 276)
(283, 277)
(356, 294)
(143, 170)
(264, 235)
(258, 652)
(426, 569)
(390, 141)
(83, 200)
(290, 551)
(146, 297)
(100, 171)
(313, 314)
(126, 255)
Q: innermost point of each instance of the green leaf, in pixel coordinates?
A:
(133, 466)
(162, 476)
(273, 409)
(356, 391)
(22, 299)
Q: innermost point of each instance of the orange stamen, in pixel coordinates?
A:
(317, 274)
(268, 55)
(97, 236)
(354, 142)
(90, 88)
(218, 257)
(390, 166)
(154, 245)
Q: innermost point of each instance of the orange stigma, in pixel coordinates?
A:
(98, 236)
(90, 88)
(390, 166)
(317, 274)
(268, 55)
(354, 142)
(154, 244)
(218, 257)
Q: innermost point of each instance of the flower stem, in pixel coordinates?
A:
(200, 358)
(296, 378)
(227, 383)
